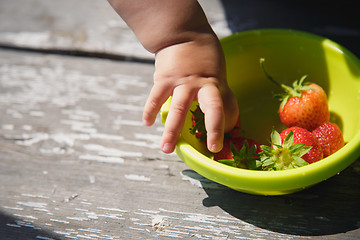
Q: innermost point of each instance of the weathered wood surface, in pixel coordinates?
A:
(77, 163)
(79, 25)
(93, 26)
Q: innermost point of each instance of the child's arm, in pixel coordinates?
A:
(189, 65)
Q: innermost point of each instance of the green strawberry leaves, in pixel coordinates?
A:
(280, 156)
(199, 126)
(296, 90)
(246, 157)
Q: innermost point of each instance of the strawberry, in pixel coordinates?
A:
(330, 138)
(292, 148)
(235, 132)
(303, 105)
(198, 126)
(238, 152)
(302, 136)
(238, 143)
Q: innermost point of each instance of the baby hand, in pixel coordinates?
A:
(188, 71)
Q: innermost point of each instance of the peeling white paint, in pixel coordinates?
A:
(13, 225)
(59, 221)
(103, 159)
(104, 136)
(105, 151)
(135, 177)
(142, 144)
(33, 204)
(199, 181)
(123, 81)
(8, 127)
(118, 107)
(36, 113)
(33, 39)
(13, 208)
(27, 127)
(61, 138)
(34, 195)
(112, 209)
(123, 122)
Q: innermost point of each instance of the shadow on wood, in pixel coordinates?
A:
(13, 229)
(330, 207)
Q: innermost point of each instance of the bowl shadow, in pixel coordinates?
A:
(330, 207)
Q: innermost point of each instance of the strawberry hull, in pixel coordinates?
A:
(238, 142)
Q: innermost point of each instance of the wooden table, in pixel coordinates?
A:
(77, 163)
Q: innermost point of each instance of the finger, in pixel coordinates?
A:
(211, 104)
(180, 105)
(158, 95)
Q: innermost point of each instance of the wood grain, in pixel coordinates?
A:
(76, 163)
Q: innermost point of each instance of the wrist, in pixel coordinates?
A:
(200, 37)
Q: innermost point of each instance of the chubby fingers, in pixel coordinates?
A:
(181, 101)
(211, 104)
(158, 95)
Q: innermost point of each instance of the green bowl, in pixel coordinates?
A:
(289, 55)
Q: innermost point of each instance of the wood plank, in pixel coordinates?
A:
(76, 163)
(80, 25)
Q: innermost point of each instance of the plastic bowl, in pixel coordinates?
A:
(289, 55)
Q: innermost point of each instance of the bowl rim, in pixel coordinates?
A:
(351, 147)
(289, 32)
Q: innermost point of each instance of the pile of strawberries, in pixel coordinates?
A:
(308, 138)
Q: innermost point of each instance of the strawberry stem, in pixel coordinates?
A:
(290, 91)
(262, 60)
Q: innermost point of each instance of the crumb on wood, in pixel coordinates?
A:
(75, 195)
(159, 223)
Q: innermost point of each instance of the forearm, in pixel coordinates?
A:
(161, 23)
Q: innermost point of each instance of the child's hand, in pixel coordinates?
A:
(188, 71)
(189, 66)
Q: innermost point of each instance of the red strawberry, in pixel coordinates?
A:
(225, 152)
(292, 148)
(199, 130)
(307, 110)
(330, 138)
(302, 136)
(198, 124)
(235, 132)
(303, 105)
(238, 152)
